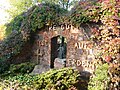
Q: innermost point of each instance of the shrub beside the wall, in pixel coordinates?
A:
(101, 79)
(4, 66)
(61, 79)
(7, 70)
(22, 68)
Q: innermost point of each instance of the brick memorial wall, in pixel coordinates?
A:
(79, 48)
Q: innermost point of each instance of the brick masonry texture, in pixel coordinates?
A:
(79, 47)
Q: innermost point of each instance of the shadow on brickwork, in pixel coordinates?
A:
(83, 81)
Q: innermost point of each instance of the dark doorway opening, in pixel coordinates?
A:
(58, 49)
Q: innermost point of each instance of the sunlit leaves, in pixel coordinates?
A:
(2, 32)
(19, 6)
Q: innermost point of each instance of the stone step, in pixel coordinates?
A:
(38, 69)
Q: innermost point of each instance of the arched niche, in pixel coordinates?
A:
(58, 50)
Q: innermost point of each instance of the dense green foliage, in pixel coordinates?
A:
(15, 24)
(15, 69)
(22, 68)
(11, 45)
(91, 11)
(20, 28)
(4, 66)
(60, 79)
(106, 13)
(36, 17)
(44, 15)
(83, 12)
(100, 80)
(54, 79)
(106, 36)
(63, 3)
(18, 7)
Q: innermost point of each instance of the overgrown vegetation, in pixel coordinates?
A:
(7, 69)
(100, 79)
(16, 8)
(83, 12)
(37, 17)
(62, 79)
(20, 28)
(4, 66)
(106, 13)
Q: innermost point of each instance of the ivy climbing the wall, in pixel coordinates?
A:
(20, 28)
(106, 13)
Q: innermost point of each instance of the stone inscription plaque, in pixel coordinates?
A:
(88, 65)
